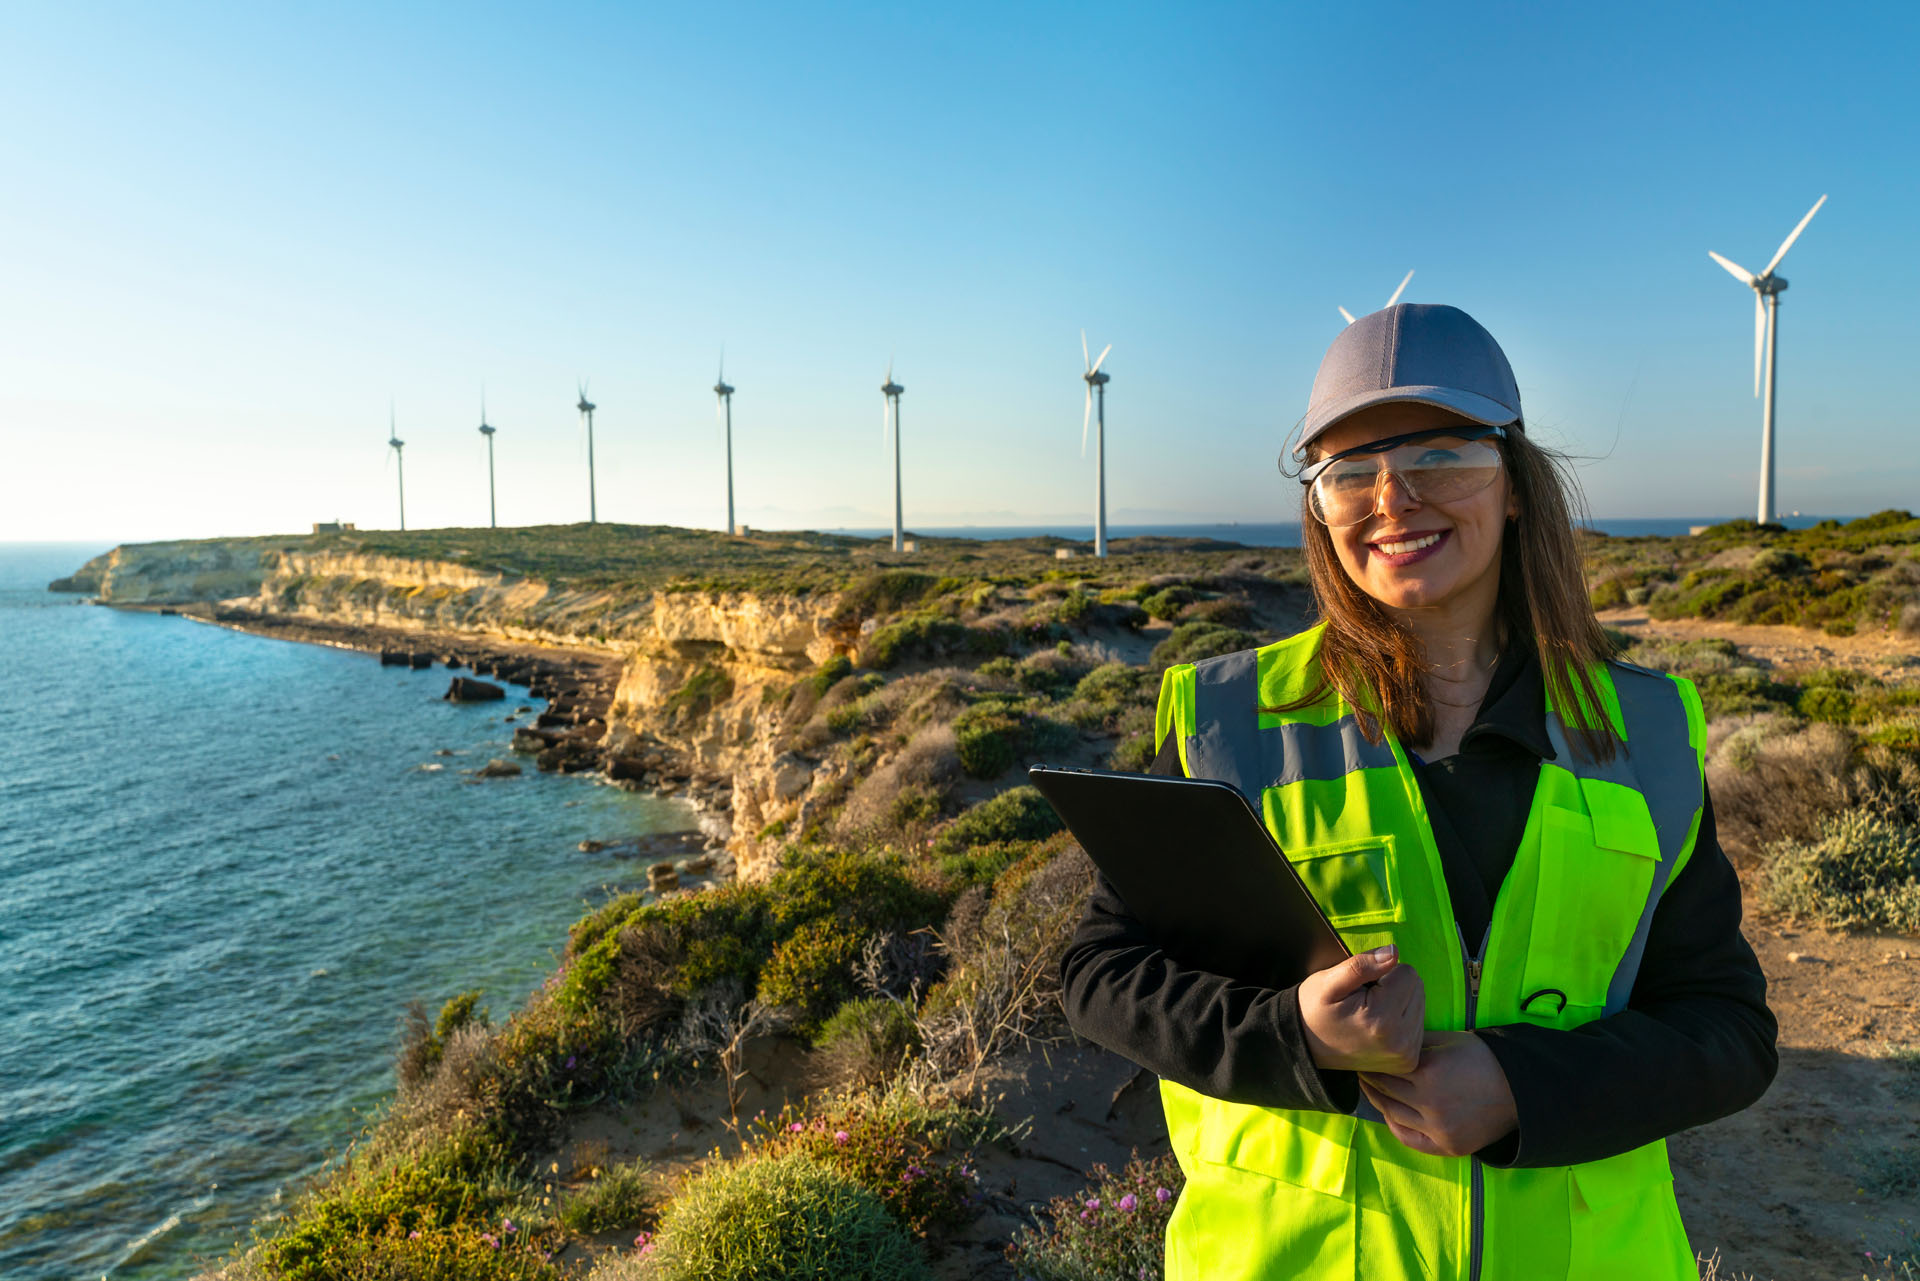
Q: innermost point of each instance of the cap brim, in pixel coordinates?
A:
(1468, 404)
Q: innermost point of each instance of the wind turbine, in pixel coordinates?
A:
(890, 402)
(586, 408)
(1396, 298)
(493, 521)
(1096, 383)
(400, 464)
(723, 408)
(1767, 289)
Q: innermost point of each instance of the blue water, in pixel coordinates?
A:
(1281, 534)
(224, 872)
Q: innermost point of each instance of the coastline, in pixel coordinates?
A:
(575, 734)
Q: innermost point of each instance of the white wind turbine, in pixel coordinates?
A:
(586, 408)
(1396, 298)
(890, 405)
(400, 464)
(723, 409)
(493, 519)
(1096, 388)
(1767, 289)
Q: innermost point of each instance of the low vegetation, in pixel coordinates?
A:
(912, 931)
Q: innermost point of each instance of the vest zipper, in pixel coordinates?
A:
(1477, 1200)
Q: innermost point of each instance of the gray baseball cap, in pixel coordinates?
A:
(1425, 352)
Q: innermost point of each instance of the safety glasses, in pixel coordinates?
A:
(1434, 466)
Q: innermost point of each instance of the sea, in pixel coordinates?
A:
(227, 863)
(1283, 534)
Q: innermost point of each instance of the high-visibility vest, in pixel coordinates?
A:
(1274, 1193)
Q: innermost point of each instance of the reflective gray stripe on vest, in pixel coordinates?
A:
(1229, 744)
(1659, 763)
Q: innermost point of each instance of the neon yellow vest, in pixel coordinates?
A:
(1275, 1194)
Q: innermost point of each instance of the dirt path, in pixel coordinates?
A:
(1892, 658)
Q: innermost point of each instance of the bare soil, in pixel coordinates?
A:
(1892, 658)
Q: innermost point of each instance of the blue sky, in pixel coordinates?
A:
(234, 232)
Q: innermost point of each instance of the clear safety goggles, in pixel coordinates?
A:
(1439, 465)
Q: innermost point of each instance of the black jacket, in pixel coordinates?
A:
(1696, 1041)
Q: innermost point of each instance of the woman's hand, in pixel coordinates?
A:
(1366, 1014)
(1454, 1103)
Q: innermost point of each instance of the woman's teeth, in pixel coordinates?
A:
(1411, 545)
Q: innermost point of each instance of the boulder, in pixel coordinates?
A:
(568, 756)
(452, 660)
(395, 658)
(530, 740)
(592, 847)
(621, 768)
(465, 689)
(792, 775)
(662, 877)
(497, 768)
(418, 661)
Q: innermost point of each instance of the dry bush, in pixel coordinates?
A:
(1773, 788)
(1003, 984)
(929, 763)
(431, 1105)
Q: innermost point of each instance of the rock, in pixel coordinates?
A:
(530, 740)
(465, 689)
(497, 768)
(792, 775)
(697, 864)
(625, 768)
(452, 660)
(568, 756)
(521, 710)
(418, 661)
(443, 751)
(592, 847)
(1803, 958)
(662, 877)
(395, 658)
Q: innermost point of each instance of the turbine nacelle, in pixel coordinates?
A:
(586, 406)
(486, 430)
(396, 443)
(1098, 379)
(891, 388)
(721, 389)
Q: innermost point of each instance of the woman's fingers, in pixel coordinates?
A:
(1402, 1121)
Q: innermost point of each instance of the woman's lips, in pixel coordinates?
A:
(1409, 548)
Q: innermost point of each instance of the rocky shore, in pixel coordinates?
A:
(576, 733)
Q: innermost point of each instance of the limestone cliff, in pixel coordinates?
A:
(736, 649)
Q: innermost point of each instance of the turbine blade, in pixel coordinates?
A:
(1344, 312)
(1085, 360)
(1734, 269)
(1793, 236)
(883, 421)
(1402, 289)
(1759, 338)
(723, 364)
(1103, 356)
(720, 412)
(1085, 418)
(889, 368)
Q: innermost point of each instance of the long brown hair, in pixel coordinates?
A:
(1376, 663)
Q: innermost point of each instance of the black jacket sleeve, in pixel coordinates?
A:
(1695, 1043)
(1224, 1038)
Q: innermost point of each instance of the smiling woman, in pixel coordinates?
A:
(1449, 756)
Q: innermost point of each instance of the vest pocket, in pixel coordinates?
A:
(1595, 873)
(1354, 882)
(1624, 1219)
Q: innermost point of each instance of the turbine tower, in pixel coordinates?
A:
(586, 408)
(1396, 298)
(400, 464)
(723, 409)
(493, 521)
(1096, 386)
(1767, 289)
(890, 403)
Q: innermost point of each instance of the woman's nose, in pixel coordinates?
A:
(1391, 495)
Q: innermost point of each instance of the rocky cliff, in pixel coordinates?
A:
(697, 668)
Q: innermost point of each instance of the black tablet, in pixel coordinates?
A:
(1195, 864)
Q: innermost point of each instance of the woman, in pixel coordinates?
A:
(1511, 833)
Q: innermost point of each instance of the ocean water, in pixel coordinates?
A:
(1282, 534)
(226, 865)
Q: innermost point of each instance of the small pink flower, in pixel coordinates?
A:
(1128, 1202)
(1086, 1216)
(508, 1224)
(841, 1137)
(414, 1235)
(1093, 1203)
(643, 1241)
(1162, 1195)
(796, 1127)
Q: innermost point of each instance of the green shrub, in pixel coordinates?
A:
(1742, 690)
(1192, 642)
(1167, 604)
(930, 636)
(982, 864)
(990, 735)
(1000, 665)
(909, 1152)
(620, 1196)
(1609, 593)
(423, 1046)
(1018, 814)
(1112, 684)
(1075, 608)
(887, 591)
(866, 1040)
(1115, 1228)
(1826, 703)
(707, 686)
(1134, 755)
(1861, 871)
(1224, 610)
(1685, 657)
(830, 673)
(786, 1216)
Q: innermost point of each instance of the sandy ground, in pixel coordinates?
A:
(1892, 658)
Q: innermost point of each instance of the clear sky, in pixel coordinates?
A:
(231, 234)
